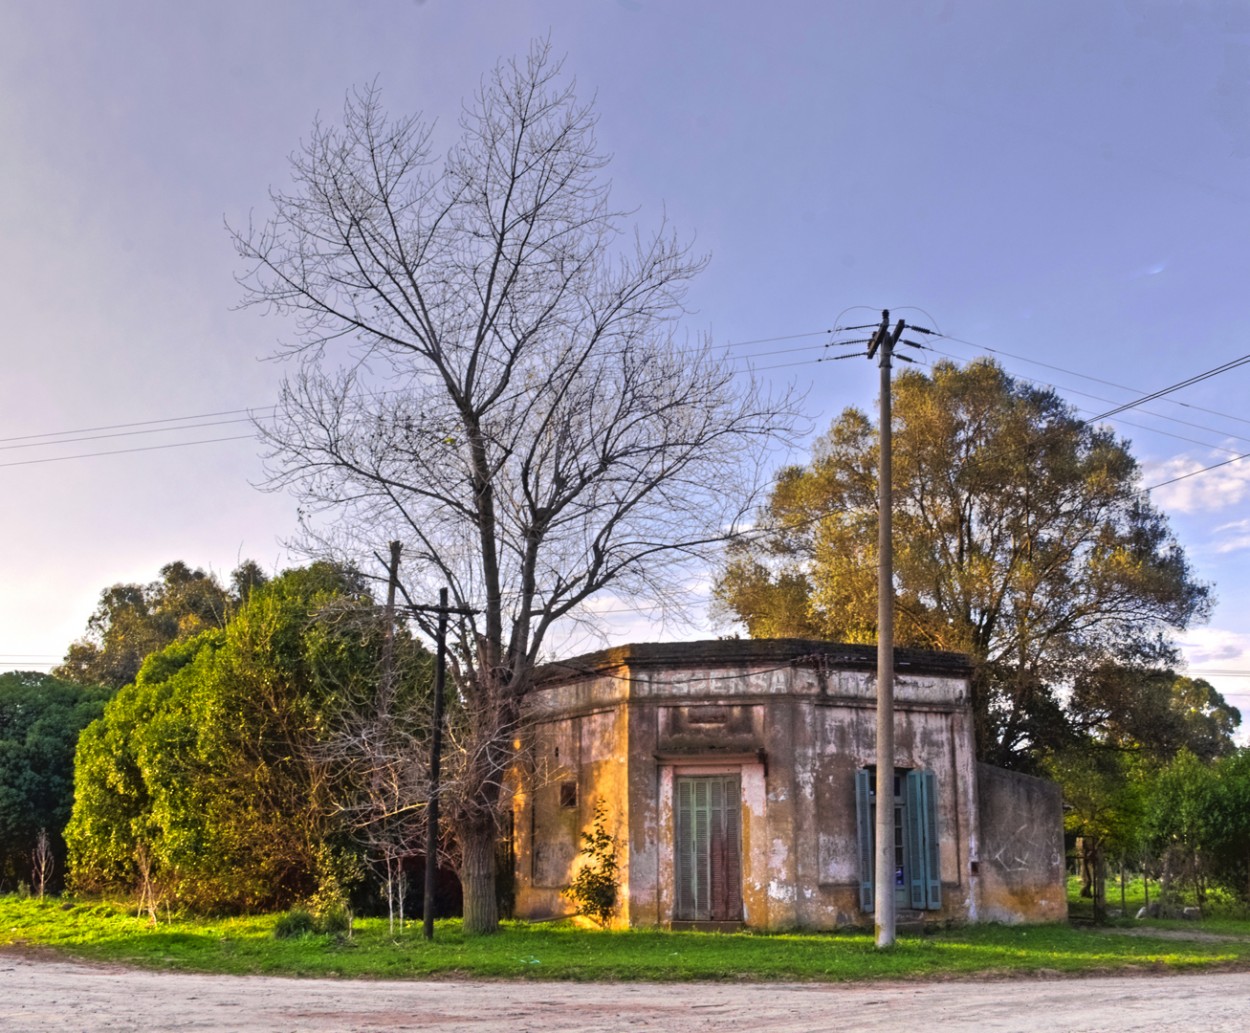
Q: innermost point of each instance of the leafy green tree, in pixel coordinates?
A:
(1181, 824)
(1198, 822)
(40, 719)
(1154, 711)
(207, 778)
(1229, 824)
(1021, 538)
(1104, 793)
(133, 621)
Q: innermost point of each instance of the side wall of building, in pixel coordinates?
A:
(1021, 872)
(575, 760)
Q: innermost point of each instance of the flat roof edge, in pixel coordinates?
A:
(783, 652)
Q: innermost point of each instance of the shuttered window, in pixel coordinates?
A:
(917, 852)
(708, 848)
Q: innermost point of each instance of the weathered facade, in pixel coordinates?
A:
(736, 778)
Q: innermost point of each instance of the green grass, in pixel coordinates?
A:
(101, 931)
(1222, 913)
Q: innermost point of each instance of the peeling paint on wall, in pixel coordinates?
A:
(794, 721)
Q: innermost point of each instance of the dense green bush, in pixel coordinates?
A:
(210, 780)
(296, 922)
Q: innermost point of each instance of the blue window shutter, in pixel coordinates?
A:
(685, 849)
(915, 832)
(925, 884)
(933, 857)
(864, 820)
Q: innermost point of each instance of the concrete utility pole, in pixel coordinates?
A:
(883, 882)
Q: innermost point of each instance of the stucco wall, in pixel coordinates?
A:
(794, 720)
(1021, 874)
(587, 750)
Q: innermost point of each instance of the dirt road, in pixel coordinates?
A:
(45, 996)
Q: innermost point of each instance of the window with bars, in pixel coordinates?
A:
(917, 855)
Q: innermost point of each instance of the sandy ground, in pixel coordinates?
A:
(40, 995)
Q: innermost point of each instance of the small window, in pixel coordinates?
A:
(568, 794)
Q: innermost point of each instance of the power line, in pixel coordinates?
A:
(795, 337)
(121, 434)
(1197, 379)
(175, 423)
(770, 340)
(1087, 376)
(138, 423)
(1158, 415)
(127, 451)
(1194, 473)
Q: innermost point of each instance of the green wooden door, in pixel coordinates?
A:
(709, 848)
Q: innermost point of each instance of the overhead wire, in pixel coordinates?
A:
(176, 423)
(1138, 426)
(139, 423)
(127, 451)
(122, 434)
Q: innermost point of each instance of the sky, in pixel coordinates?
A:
(1062, 185)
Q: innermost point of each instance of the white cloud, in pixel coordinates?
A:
(1203, 492)
(1222, 657)
(1233, 537)
(1216, 648)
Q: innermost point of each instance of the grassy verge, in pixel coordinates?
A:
(106, 932)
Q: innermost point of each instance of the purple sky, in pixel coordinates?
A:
(1067, 183)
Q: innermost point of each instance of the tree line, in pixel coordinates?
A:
(247, 764)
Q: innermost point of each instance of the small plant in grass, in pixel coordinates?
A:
(593, 889)
(294, 923)
(330, 910)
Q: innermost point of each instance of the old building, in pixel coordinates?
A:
(737, 778)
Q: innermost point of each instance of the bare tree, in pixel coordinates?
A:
(42, 862)
(490, 368)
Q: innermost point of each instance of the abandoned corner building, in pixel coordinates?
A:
(738, 780)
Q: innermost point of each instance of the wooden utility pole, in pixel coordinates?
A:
(436, 759)
(884, 875)
(386, 690)
(386, 696)
(436, 747)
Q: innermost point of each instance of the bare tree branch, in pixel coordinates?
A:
(490, 368)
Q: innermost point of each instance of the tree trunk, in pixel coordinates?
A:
(477, 879)
(1085, 855)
